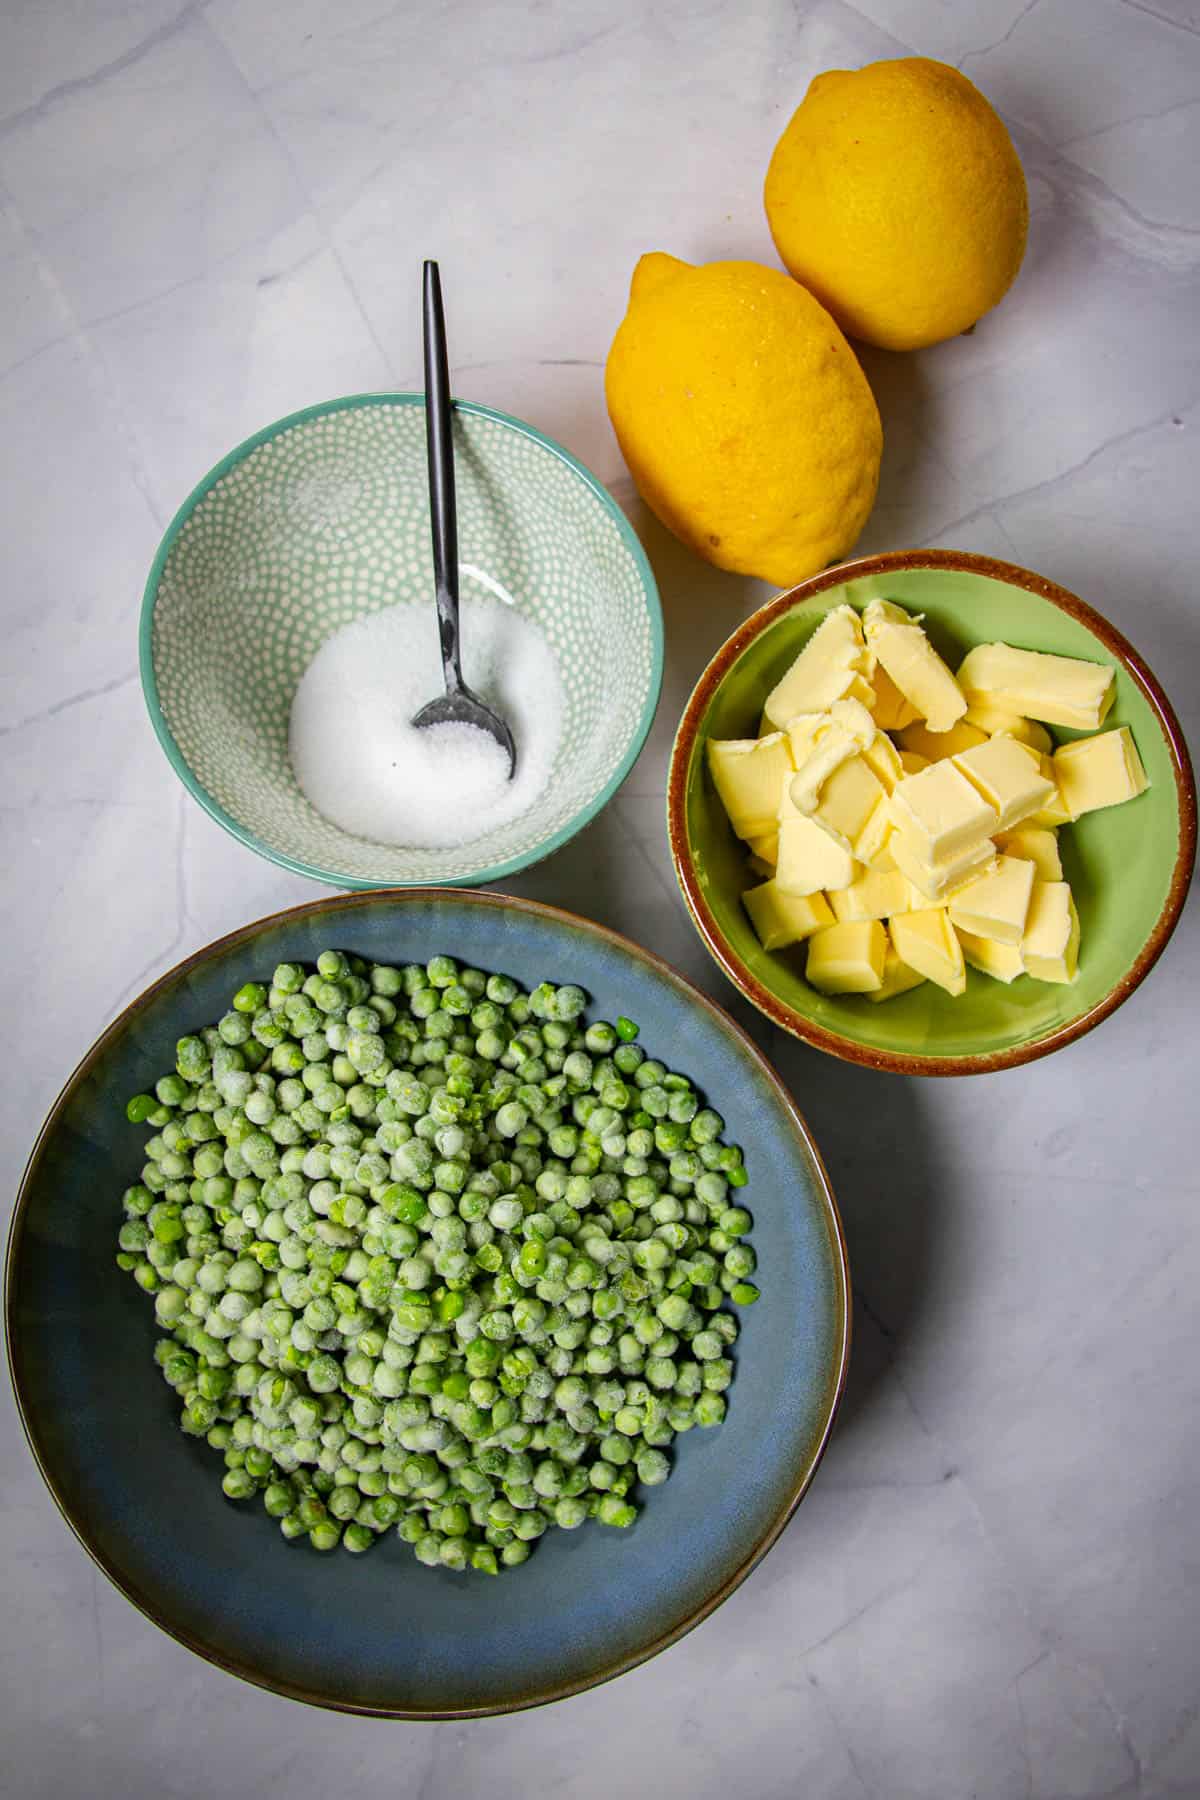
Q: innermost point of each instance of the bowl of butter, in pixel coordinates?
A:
(932, 813)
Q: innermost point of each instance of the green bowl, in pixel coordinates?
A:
(1129, 867)
(323, 517)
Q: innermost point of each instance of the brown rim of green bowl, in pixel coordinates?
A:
(481, 897)
(833, 1043)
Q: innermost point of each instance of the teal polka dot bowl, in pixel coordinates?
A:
(323, 517)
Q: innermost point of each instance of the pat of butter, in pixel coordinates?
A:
(883, 759)
(1038, 845)
(898, 978)
(855, 718)
(1003, 962)
(847, 958)
(934, 746)
(1050, 947)
(935, 882)
(810, 860)
(1105, 770)
(748, 774)
(1009, 777)
(990, 719)
(781, 919)
(832, 747)
(996, 905)
(848, 799)
(1028, 731)
(891, 710)
(941, 812)
(990, 715)
(1055, 811)
(877, 894)
(802, 732)
(900, 644)
(1059, 690)
(834, 662)
(927, 942)
(872, 845)
(766, 847)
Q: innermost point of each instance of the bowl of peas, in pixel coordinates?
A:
(397, 1319)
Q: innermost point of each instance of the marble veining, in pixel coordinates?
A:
(214, 213)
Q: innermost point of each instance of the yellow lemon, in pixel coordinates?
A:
(895, 194)
(744, 416)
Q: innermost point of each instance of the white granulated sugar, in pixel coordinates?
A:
(362, 764)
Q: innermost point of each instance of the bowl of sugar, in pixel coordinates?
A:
(289, 635)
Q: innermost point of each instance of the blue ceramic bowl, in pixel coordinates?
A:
(381, 1634)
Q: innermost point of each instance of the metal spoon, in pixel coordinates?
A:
(458, 705)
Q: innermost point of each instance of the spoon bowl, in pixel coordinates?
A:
(462, 707)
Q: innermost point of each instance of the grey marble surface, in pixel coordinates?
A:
(211, 214)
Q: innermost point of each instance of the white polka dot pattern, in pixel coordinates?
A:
(329, 519)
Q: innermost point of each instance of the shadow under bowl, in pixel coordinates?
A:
(1129, 866)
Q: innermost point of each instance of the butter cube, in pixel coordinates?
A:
(900, 644)
(801, 732)
(898, 978)
(748, 774)
(848, 799)
(1054, 811)
(848, 958)
(1105, 770)
(1050, 947)
(891, 710)
(912, 763)
(781, 919)
(934, 746)
(855, 718)
(810, 860)
(991, 719)
(1059, 690)
(1028, 731)
(832, 746)
(1003, 962)
(877, 894)
(787, 807)
(1009, 777)
(872, 843)
(941, 812)
(996, 905)
(927, 942)
(834, 662)
(990, 715)
(1037, 845)
(883, 759)
(935, 882)
(766, 847)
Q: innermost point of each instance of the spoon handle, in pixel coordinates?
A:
(440, 449)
